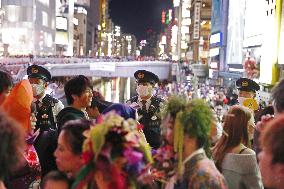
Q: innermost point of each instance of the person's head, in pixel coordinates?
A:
(78, 91)
(278, 97)
(247, 88)
(11, 145)
(173, 105)
(271, 159)
(98, 105)
(191, 129)
(196, 121)
(55, 180)
(39, 78)
(146, 82)
(69, 149)
(123, 110)
(6, 83)
(238, 128)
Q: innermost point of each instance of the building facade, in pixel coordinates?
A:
(28, 27)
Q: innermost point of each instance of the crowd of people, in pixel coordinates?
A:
(178, 142)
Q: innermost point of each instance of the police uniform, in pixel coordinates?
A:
(47, 108)
(248, 85)
(149, 115)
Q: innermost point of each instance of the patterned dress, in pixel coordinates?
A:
(201, 173)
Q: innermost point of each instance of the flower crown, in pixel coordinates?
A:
(115, 153)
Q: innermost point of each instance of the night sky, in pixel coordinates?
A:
(137, 16)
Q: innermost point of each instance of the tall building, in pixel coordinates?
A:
(93, 21)
(104, 23)
(199, 30)
(27, 27)
(77, 29)
(80, 29)
(150, 48)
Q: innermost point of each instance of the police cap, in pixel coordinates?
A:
(245, 84)
(35, 71)
(146, 76)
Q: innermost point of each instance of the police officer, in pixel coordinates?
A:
(47, 109)
(148, 106)
(247, 92)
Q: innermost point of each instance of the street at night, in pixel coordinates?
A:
(141, 94)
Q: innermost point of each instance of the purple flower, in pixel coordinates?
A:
(132, 156)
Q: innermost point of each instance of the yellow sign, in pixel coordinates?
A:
(251, 104)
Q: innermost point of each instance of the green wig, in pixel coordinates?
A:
(193, 121)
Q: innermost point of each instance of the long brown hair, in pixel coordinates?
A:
(235, 132)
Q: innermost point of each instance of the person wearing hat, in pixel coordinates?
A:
(47, 108)
(148, 106)
(247, 92)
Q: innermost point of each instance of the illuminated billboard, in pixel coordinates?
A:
(61, 23)
(61, 38)
(85, 3)
(235, 32)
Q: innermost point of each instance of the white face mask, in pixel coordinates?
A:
(144, 91)
(37, 89)
(241, 100)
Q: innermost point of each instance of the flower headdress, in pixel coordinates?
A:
(115, 153)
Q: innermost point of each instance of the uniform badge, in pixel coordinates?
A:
(244, 84)
(154, 118)
(34, 70)
(140, 75)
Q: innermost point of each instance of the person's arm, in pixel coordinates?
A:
(56, 109)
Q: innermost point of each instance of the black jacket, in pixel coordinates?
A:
(45, 145)
(151, 120)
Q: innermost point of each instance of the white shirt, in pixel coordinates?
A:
(55, 109)
(148, 102)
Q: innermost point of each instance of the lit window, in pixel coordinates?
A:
(44, 19)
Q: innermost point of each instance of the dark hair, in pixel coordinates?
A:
(256, 143)
(11, 145)
(267, 110)
(100, 104)
(55, 176)
(278, 97)
(236, 129)
(272, 138)
(73, 133)
(123, 110)
(76, 86)
(6, 81)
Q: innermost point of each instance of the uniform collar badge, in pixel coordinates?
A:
(34, 70)
(140, 75)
